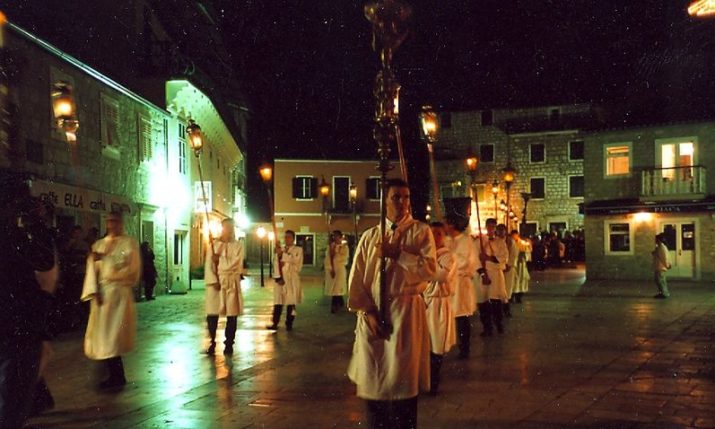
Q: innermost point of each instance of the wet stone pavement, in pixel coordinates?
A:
(593, 355)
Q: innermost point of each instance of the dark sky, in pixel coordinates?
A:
(308, 69)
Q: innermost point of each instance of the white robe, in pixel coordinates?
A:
(291, 293)
(398, 367)
(227, 301)
(111, 330)
(440, 317)
(521, 272)
(495, 270)
(335, 286)
(510, 275)
(464, 302)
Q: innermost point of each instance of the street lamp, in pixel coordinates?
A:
(508, 176)
(261, 234)
(495, 192)
(353, 205)
(266, 172)
(430, 127)
(524, 196)
(702, 8)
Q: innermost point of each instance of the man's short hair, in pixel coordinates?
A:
(457, 222)
(336, 233)
(396, 183)
(291, 233)
(491, 221)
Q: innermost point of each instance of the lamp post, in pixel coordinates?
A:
(495, 192)
(508, 176)
(353, 205)
(324, 189)
(266, 172)
(389, 29)
(430, 126)
(524, 196)
(261, 234)
(271, 241)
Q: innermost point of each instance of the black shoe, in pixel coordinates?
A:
(273, 327)
(211, 350)
(113, 383)
(289, 327)
(228, 350)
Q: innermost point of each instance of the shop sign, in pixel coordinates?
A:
(74, 198)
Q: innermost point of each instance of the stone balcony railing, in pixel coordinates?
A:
(677, 182)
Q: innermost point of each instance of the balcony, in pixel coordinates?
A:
(687, 182)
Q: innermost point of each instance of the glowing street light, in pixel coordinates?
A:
(702, 8)
(266, 172)
(65, 109)
(509, 172)
(196, 139)
(430, 124)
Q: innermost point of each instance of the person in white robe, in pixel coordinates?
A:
(390, 360)
(113, 270)
(510, 270)
(222, 277)
(493, 255)
(336, 272)
(521, 270)
(464, 300)
(287, 290)
(440, 317)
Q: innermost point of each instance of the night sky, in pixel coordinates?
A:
(308, 69)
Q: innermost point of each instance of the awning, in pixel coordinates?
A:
(626, 206)
(75, 198)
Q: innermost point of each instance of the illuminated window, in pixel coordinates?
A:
(618, 159)
(305, 187)
(677, 160)
(619, 238)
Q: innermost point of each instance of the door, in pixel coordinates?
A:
(680, 238)
(307, 242)
(178, 282)
(341, 193)
(677, 161)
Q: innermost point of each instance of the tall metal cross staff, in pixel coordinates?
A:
(472, 162)
(389, 29)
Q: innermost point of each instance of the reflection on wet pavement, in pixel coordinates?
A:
(576, 354)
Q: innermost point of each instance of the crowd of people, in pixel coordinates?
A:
(554, 249)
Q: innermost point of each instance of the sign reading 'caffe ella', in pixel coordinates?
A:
(70, 197)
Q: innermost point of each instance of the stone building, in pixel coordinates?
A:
(299, 206)
(542, 144)
(641, 181)
(130, 153)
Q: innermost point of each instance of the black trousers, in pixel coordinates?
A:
(464, 333)
(336, 303)
(485, 316)
(278, 309)
(19, 368)
(497, 313)
(230, 333)
(401, 414)
(435, 362)
(115, 367)
(149, 289)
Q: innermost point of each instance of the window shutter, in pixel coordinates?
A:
(296, 187)
(313, 187)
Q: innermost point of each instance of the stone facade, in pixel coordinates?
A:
(646, 201)
(130, 154)
(512, 132)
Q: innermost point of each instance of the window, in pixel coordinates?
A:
(487, 118)
(305, 187)
(34, 151)
(576, 186)
(619, 238)
(110, 122)
(341, 193)
(536, 187)
(576, 150)
(182, 148)
(554, 116)
(486, 153)
(445, 120)
(146, 145)
(537, 153)
(372, 188)
(618, 159)
(182, 131)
